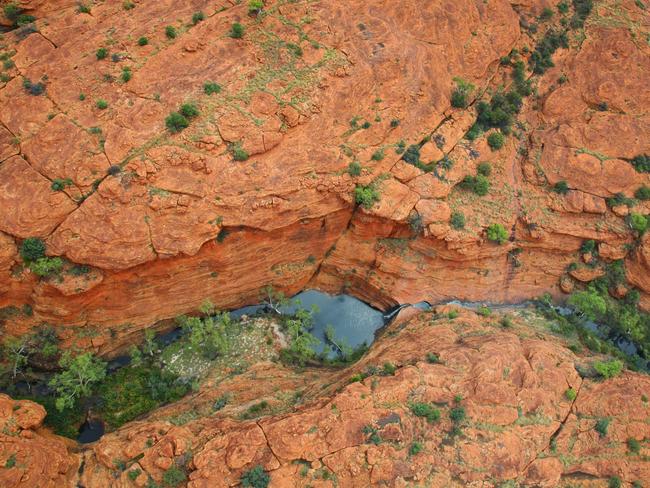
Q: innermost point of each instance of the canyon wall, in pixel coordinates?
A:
(151, 223)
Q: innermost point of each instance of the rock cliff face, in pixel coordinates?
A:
(501, 414)
(152, 222)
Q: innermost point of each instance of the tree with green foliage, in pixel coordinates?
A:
(255, 478)
(643, 193)
(496, 140)
(274, 300)
(32, 249)
(176, 122)
(588, 303)
(301, 342)
(79, 374)
(561, 187)
(638, 223)
(236, 31)
(366, 196)
(15, 351)
(209, 335)
(174, 476)
(608, 369)
(457, 220)
(497, 233)
(460, 95)
(255, 6)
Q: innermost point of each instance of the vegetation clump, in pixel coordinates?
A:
(642, 163)
(462, 92)
(210, 87)
(255, 478)
(170, 32)
(497, 233)
(236, 31)
(425, 410)
(366, 196)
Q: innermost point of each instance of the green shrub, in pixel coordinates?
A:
(10, 462)
(366, 196)
(101, 53)
(354, 168)
(143, 41)
(255, 6)
(481, 185)
(609, 369)
(432, 358)
(189, 110)
(32, 249)
(416, 448)
(484, 169)
(589, 303)
(561, 187)
(484, 311)
(197, 17)
(633, 445)
(238, 153)
(582, 10)
(614, 482)
(540, 59)
(46, 266)
(236, 31)
(255, 478)
(452, 315)
(134, 473)
(457, 414)
(563, 7)
(643, 193)
(174, 477)
(33, 88)
(457, 220)
(128, 5)
(175, 122)
(170, 32)
(425, 410)
(83, 9)
(101, 104)
(506, 322)
(546, 14)
(496, 140)
(460, 95)
(497, 233)
(126, 74)
(642, 163)
(638, 223)
(570, 394)
(210, 87)
(60, 184)
(378, 155)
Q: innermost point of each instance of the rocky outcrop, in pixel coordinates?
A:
(166, 220)
(500, 393)
(30, 456)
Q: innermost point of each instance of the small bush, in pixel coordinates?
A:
(378, 155)
(642, 163)
(570, 394)
(210, 87)
(82, 97)
(255, 478)
(175, 122)
(642, 193)
(614, 482)
(633, 445)
(546, 14)
(601, 426)
(457, 414)
(484, 169)
(457, 220)
(189, 110)
(170, 32)
(561, 187)
(197, 17)
(128, 5)
(174, 477)
(366, 196)
(416, 448)
(33, 88)
(126, 74)
(394, 123)
(46, 266)
(484, 311)
(255, 6)
(506, 322)
(432, 358)
(101, 104)
(425, 410)
(354, 168)
(389, 369)
(143, 41)
(638, 223)
(497, 233)
(101, 53)
(83, 9)
(134, 473)
(496, 140)
(460, 95)
(10, 462)
(609, 369)
(59, 184)
(32, 249)
(236, 31)
(238, 153)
